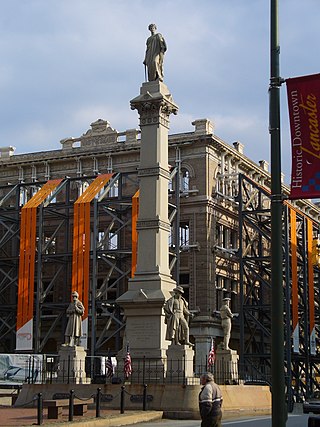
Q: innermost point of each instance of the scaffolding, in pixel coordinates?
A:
(46, 242)
(300, 287)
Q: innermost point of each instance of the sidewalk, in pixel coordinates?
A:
(18, 417)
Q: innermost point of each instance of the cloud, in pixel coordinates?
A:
(66, 63)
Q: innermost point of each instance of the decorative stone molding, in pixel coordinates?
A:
(6, 152)
(67, 143)
(154, 171)
(132, 135)
(153, 223)
(239, 147)
(155, 107)
(203, 127)
(264, 165)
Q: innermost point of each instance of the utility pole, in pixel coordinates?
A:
(279, 413)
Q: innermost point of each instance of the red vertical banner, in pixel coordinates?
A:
(304, 113)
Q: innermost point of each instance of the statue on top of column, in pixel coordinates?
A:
(153, 61)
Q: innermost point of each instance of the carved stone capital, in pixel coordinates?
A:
(154, 108)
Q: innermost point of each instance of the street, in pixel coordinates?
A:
(294, 420)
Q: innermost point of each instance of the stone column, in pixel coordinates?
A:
(203, 328)
(152, 283)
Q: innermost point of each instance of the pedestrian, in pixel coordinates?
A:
(210, 402)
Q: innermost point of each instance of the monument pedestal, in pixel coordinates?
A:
(152, 283)
(179, 363)
(203, 329)
(72, 365)
(226, 366)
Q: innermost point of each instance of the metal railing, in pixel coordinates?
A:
(144, 371)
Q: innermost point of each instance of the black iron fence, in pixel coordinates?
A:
(97, 370)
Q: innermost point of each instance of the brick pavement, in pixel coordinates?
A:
(19, 417)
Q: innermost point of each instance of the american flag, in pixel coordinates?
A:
(109, 368)
(127, 365)
(212, 355)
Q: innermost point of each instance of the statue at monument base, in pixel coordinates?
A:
(177, 318)
(72, 356)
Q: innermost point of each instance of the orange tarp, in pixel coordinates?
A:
(81, 240)
(294, 267)
(134, 234)
(28, 231)
(310, 276)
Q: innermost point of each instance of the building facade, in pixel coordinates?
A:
(210, 238)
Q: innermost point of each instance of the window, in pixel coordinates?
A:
(184, 233)
(112, 241)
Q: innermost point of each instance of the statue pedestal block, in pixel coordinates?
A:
(72, 365)
(226, 366)
(179, 363)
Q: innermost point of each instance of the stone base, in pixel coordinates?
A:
(72, 365)
(226, 366)
(179, 362)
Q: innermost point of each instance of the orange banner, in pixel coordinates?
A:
(28, 231)
(312, 331)
(81, 246)
(294, 279)
(134, 234)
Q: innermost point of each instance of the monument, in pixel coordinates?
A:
(71, 355)
(226, 358)
(151, 286)
(180, 353)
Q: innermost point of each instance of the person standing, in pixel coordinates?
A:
(210, 402)
(156, 47)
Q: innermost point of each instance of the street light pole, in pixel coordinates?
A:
(279, 414)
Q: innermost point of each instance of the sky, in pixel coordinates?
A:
(66, 63)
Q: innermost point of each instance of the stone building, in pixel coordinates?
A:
(205, 217)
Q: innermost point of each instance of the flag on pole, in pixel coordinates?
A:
(304, 113)
(109, 368)
(127, 364)
(212, 355)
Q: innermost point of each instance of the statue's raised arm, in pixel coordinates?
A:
(153, 61)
